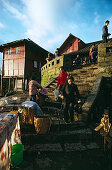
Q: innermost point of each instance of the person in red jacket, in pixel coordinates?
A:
(62, 77)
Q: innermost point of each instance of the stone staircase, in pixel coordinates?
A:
(66, 146)
(84, 77)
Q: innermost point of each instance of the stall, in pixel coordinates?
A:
(9, 136)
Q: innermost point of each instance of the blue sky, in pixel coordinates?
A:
(49, 22)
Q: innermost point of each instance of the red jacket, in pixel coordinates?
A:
(62, 78)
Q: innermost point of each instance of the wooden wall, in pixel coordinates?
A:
(74, 45)
(13, 63)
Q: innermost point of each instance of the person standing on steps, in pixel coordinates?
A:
(70, 96)
(105, 33)
(62, 77)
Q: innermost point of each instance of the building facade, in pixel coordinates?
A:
(20, 59)
(71, 44)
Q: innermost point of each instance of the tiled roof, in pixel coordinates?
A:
(87, 47)
(23, 41)
(68, 39)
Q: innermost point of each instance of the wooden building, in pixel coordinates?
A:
(71, 44)
(20, 59)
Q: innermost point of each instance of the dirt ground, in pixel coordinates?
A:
(86, 160)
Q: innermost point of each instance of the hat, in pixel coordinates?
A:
(105, 112)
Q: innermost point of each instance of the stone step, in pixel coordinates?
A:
(84, 84)
(57, 112)
(51, 98)
(50, 110)
(84, 136)
(50, 93)
(66, 147)
(50, 90)
(52, 85)
(53, 104)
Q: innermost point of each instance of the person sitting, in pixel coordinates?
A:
(78, 60)
(33, 86)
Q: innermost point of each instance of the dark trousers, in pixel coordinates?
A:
(33, 98)
(105, 40)
(68, 109)
(60, 89)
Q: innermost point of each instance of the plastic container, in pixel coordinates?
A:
(14, 112)
(17, 154)
(56, 93)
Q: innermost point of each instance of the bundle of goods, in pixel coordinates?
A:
(42, 124)
(12, 100)
(28, 110)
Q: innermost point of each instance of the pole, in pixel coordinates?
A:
(1, 84)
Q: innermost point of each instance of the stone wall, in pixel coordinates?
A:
(89, 103)
(51, 69)
(105, 57)
(98, 100)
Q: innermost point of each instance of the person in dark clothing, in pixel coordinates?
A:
(105, 33)
(93, 54)
(70, 95)
(78, 60)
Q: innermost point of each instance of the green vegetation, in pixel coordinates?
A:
(109, 70)
(46, 78)
(10, 93)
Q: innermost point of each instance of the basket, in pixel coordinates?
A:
(42, 124)
(27, 116)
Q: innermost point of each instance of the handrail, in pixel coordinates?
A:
(49, 63)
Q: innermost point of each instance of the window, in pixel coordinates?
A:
(35, 64)
(49, 65)
(109, 49)
(46, 66)
(40, 66)
(52, 63)
(9, 51)
(17, 50)
(57, 61)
